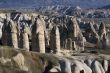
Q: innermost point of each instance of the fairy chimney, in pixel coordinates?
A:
(38, 38)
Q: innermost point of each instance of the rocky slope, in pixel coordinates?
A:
(84, 46)
(20, 61)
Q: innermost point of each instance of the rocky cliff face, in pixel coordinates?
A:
(55, 44)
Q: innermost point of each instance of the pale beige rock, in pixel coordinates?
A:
(14, 38)
(4, 60)
(55, 69)
(20, 61)
(76, 35)
(103, 42)
(25, 38)
(38, 38)
(57, 34)
(105, 65)
(55, 40)
(97, 67)
(1, 25)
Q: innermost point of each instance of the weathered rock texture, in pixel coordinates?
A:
(39, 33)
(16, 61)
(25, 38)
(103, 36)
(55, 40)
(75, 38)
(20, 61)
(38, 37)
(14, 30)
